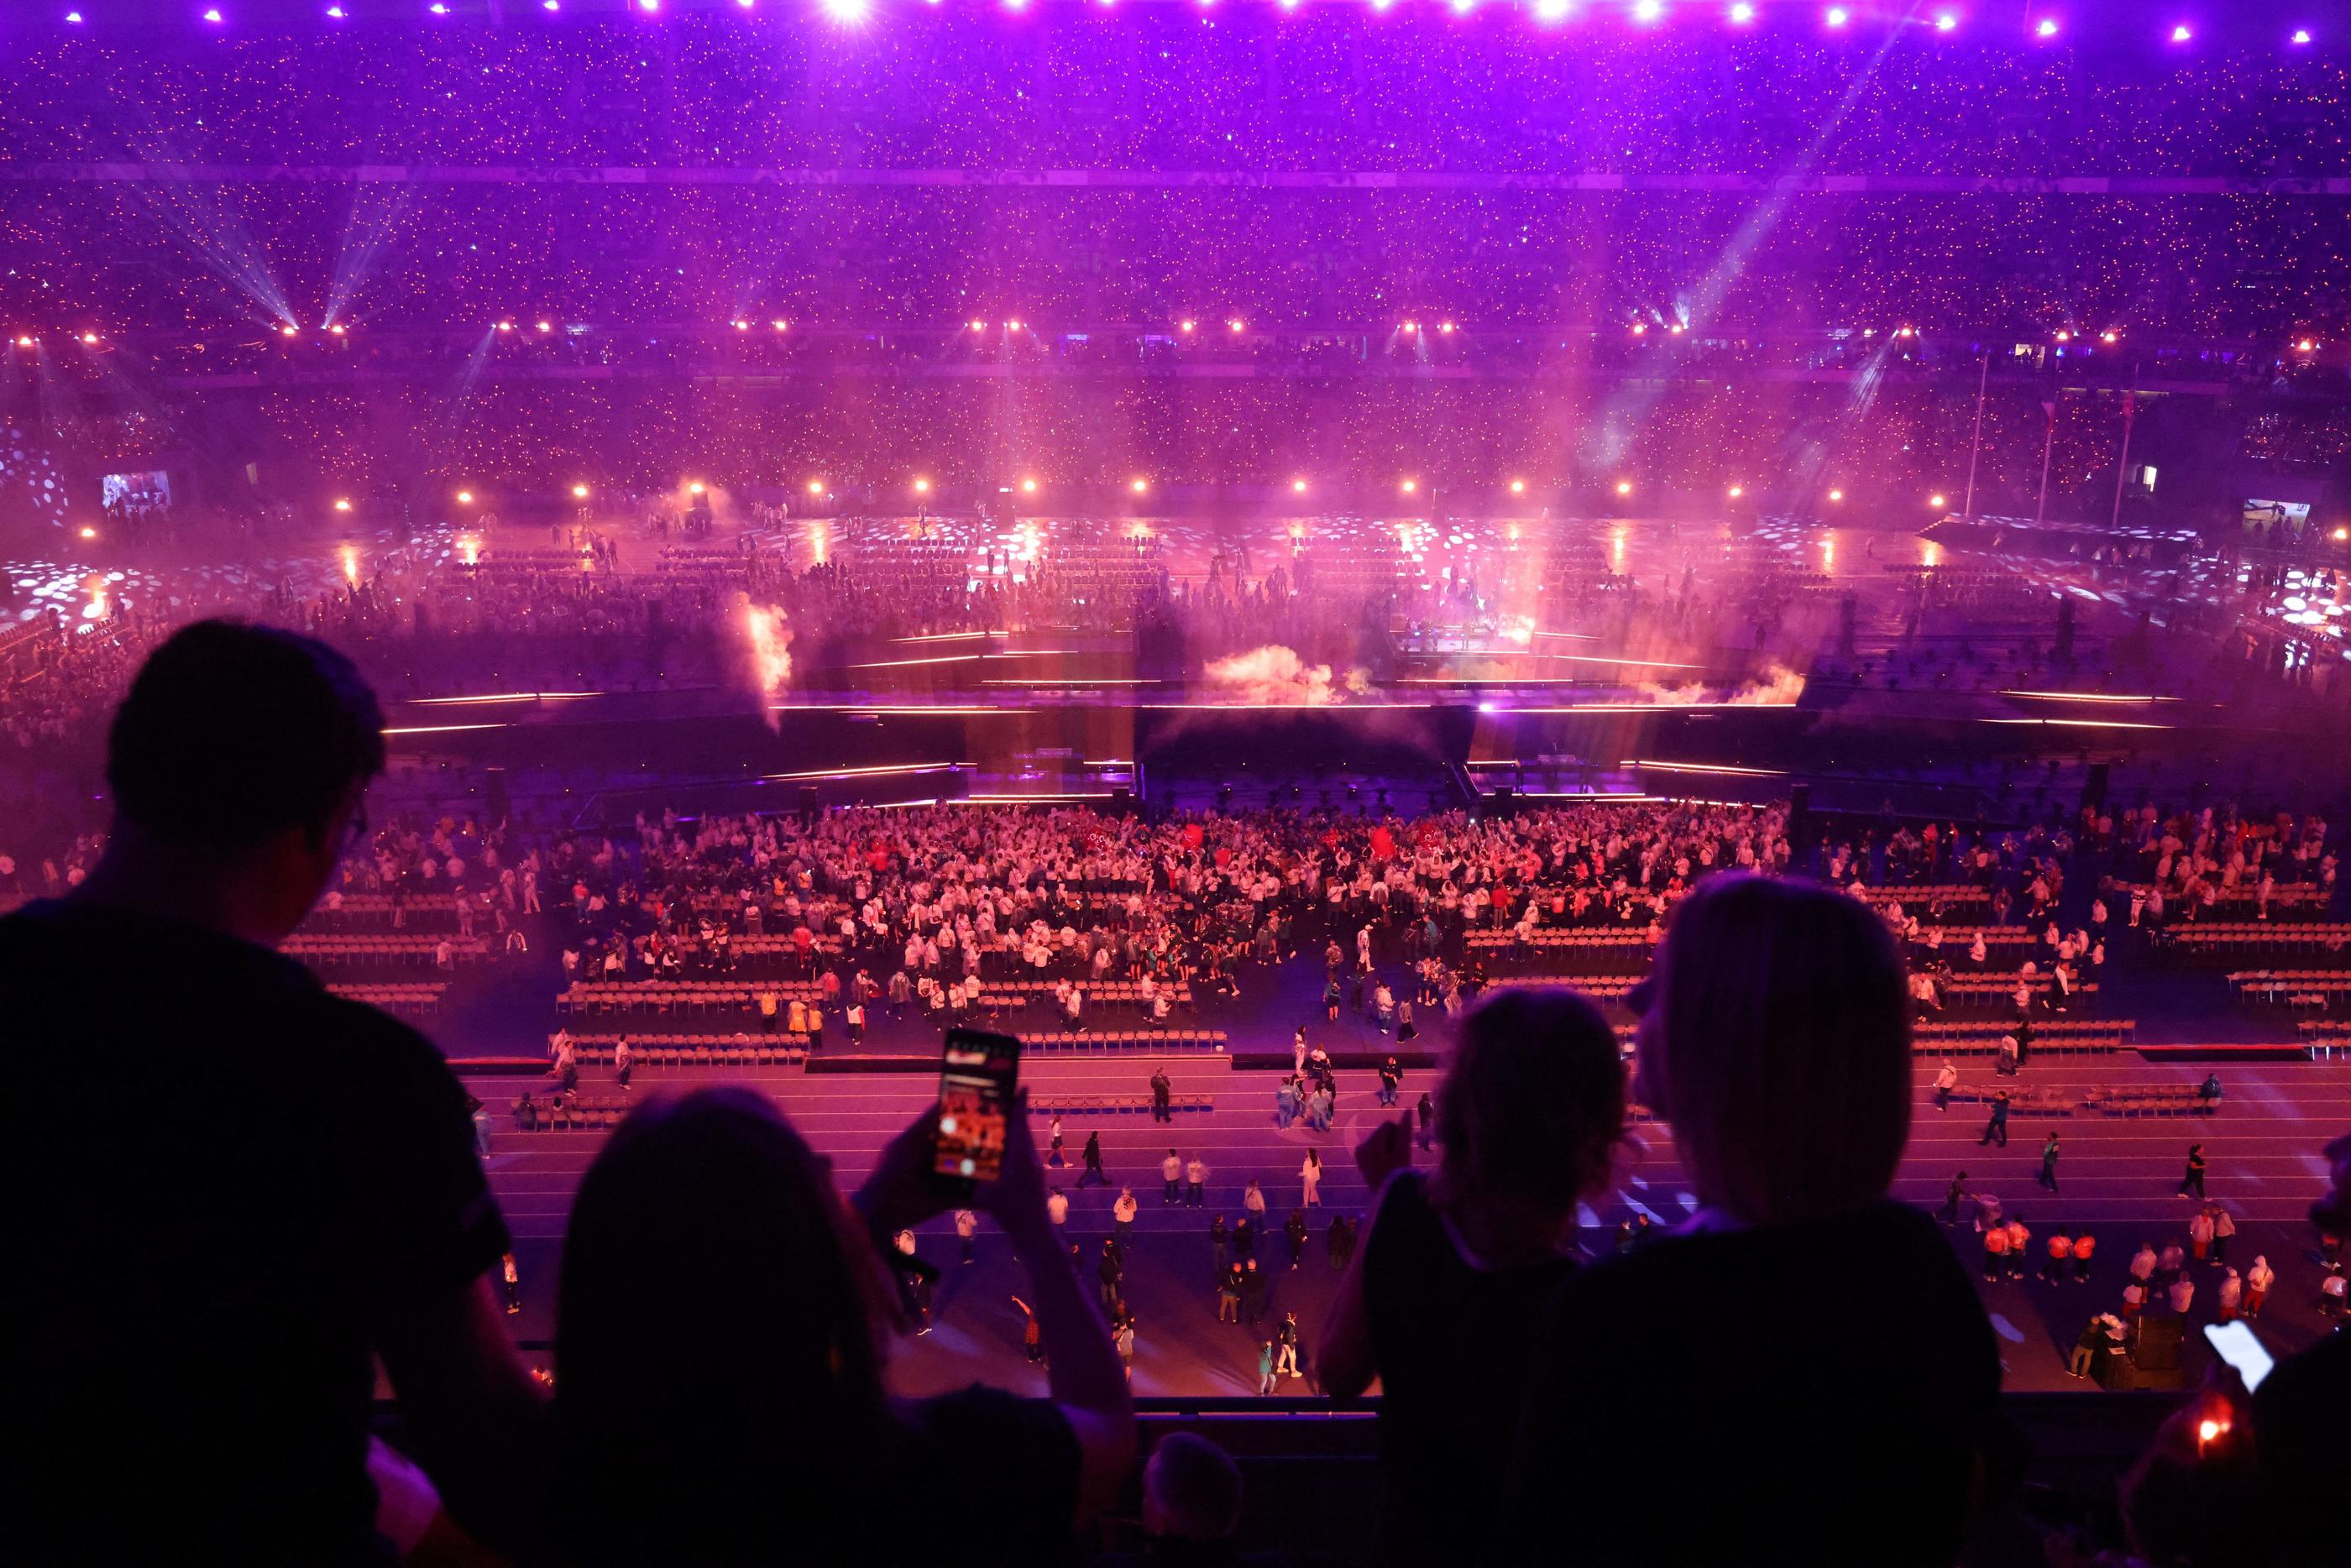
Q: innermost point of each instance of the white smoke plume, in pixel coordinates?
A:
(1275, 677)
(1779, 688)
(768, 655)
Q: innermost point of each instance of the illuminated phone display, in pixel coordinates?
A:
(977, 1076)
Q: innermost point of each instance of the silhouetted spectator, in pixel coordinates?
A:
(193, 1299)
(1775, 1039)
(1455, 1268)
(721, 1352)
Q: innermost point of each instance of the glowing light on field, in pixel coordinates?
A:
(741, 326)
(1553, 10)
(1741, 14)
(578, 493)
(437, 8)
(1624, 487)
(469, 551)
(1139, 486)
(464, 498)
(1185, 326)
(1297, 487)
(2303, 347)
(505, 326)
(1834, 495)
(1412, 327)
(2182, 33)
(2106, 336)
(848, 13)
(24, 341)
(780, 325)
(1736, 491)
(343, 504)
(922, 487)
(350, 565)
(214, 15)
(816, 487)
(649, 7)
(1409, 486)
(2343, 536)
(287, 331)
(89, 337)
(336, 12)
(1647, 11)
(1837, 16)
(2301, 37)
(1946, 22)
(1444, 327)
(1027, 487)
(73, 18)
(696, 488)
(1236, 324)
(2045, 28)
(338, 329)
(1640, 328)
(1518, 487)
(1012, 327)
(88, 531)
(1936, 501)
(1462, 7)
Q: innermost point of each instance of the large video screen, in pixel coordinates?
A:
(153, 488)
(2290, 517)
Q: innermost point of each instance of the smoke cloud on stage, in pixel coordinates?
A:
(1275, 677)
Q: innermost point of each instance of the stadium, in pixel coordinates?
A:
(1175, 781)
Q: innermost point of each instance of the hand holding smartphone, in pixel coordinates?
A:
(979, 1073)
(2237, 1345)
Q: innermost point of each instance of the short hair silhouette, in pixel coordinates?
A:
(231, 733)
(1777, 1044)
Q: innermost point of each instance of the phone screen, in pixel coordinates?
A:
(2236, 1344)
(977, 1074)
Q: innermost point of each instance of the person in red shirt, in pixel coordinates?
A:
(1995, 1252)
(2060, 1259)
(2084, 1245)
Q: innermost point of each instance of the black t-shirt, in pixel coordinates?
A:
(1447, 1339)
(218, 1175)
(1811, 1394)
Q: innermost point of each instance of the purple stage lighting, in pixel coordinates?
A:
(849, 12)
(2301, 35)
(649, 7)
(1837, 16)
(1741, 14)
(1648, 11)
(214, 15)
(2045, 28)
(437, 8)
(73, 18)
(1552, 11)
(2182, 34)
(335, 12)
(1462, 7)
(1946, 21)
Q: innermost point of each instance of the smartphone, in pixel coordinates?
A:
(978, 1072)
(2236, 1344)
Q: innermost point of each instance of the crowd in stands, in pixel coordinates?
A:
(197, 1301)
